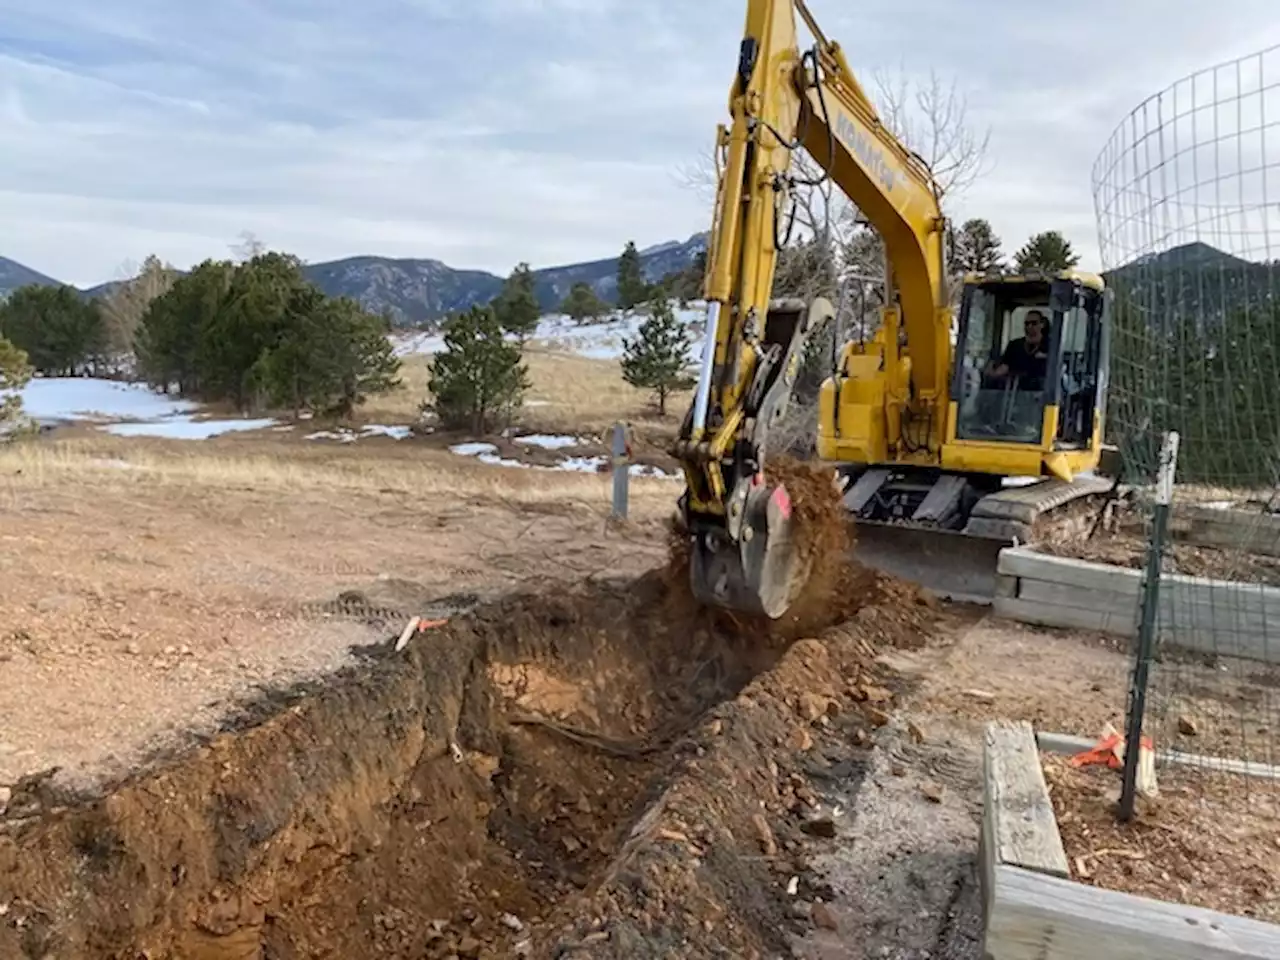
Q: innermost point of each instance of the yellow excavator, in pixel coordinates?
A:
(952, 435)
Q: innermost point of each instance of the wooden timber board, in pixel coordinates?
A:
(1196, 613)
(1038, 917)
(1033, 911)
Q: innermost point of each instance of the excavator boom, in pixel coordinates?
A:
(782, 99)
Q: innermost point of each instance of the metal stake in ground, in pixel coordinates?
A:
(1147, 625)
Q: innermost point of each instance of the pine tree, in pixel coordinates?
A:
(15, 371)
(632, 289)
(479, 375)
(60, 333)
(658, 358)
(517, 305)
(1048, 252)
(167, 341)
(582, 304)
(977, 248)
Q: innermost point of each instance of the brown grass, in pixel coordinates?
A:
(266, 463)
(569, 393)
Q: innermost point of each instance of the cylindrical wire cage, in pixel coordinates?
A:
(1187, 197)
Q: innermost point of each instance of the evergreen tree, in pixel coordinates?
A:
(977, 248)
(60, 333)
(582, 304)
(15, 371)
(259, 333)
(479, 375)
(1048, 252)
(632, 289)
(167, 341)
(658, 358)
(517, 305)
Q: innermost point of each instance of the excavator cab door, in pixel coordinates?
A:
(1004, 347)
(1083, 361)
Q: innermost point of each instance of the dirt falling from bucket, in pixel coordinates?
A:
(837, 586)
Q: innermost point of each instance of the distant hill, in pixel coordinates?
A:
(14, 275)
(1195, 280)
(416, 292)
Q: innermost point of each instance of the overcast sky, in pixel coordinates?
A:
(485, 132)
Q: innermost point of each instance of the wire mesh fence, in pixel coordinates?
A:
(1187, 195)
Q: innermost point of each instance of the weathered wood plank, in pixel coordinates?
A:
(1228, 613)
(1106, 615)
(1038, 917)
(1027, 564)
(1075, 618)
(1021, 562)
(1019, 824)
(1232, 530)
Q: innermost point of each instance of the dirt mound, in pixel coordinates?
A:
(837, 586)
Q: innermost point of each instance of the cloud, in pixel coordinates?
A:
(493, 131)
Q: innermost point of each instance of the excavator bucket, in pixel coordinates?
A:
(763, 570)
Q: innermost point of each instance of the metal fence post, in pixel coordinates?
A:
(1141, 676)
(621, 469)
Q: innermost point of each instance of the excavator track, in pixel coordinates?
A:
(947, 535)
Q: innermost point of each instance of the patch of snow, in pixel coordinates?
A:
(551, 442)
(285, 429)
(380, 430)
(602, 340)
(537, 403)
(493, 460)
(472, 449)
(84, 398)
(1218, 505)
(184, 427)
(581, 464)
(487, 453)
(342, 436)
(347, 435)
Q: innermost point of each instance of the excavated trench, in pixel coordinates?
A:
(607, 772)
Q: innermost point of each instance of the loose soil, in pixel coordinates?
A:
(595, 771)
(1209, 839)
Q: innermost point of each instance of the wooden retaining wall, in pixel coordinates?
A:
(1196, 613)
(1033, 912)
(1231, 529)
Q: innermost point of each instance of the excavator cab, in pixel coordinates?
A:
(1031, 361)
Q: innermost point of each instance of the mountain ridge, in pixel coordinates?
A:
(419, 291)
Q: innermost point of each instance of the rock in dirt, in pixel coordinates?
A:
(800, 740)
(1187, 727)
(982, 696)
(764, 835)
(823, 917)
(812, 706)
(877, 717)
(931, 791)
(512, 922)
(873, 694)
(823, 827)
(5, 796)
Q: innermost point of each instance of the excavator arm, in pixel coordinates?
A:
(743, 545)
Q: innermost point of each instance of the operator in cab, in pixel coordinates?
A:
(1026, 357)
